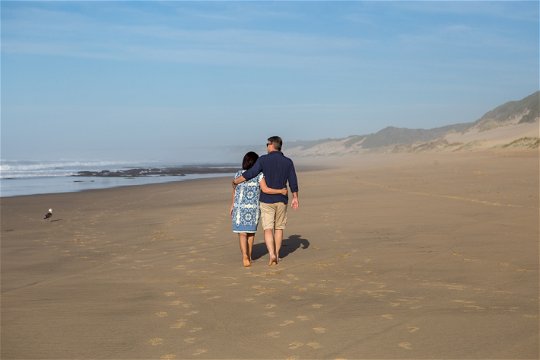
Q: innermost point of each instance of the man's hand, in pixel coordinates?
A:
(294, 203)
(237, 181)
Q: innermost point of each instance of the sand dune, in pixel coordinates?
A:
(496, 137)
(509, 135)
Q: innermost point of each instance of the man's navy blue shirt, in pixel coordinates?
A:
(278, 170)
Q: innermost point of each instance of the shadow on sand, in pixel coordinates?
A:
(288, 246)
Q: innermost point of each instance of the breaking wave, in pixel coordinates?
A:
(10, 169)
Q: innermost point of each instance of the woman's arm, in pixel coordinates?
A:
(265, 189)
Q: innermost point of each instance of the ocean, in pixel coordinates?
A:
(45, 177)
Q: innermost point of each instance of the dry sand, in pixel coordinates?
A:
(396, 256)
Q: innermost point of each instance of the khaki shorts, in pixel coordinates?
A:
(273, 216)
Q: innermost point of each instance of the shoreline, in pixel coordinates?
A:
(126, 185)
(152, 180)
(20, 178)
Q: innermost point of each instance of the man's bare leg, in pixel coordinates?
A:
(270, 245)
(278, 238)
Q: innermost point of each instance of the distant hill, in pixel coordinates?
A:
(513, 124)
(523, 111)
(393, 135)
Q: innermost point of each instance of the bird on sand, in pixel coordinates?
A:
(48, 215)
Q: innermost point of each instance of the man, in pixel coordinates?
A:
(278, 170)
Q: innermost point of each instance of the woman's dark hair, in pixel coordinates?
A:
(249, 160)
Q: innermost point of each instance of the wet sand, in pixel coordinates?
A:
(389, 256)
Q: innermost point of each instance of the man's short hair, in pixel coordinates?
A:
(276, 140)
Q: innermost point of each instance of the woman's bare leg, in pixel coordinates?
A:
(243, 239)
(250, 241)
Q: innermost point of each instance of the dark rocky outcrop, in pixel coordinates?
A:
(167, 171)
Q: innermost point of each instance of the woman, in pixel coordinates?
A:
(245, 206)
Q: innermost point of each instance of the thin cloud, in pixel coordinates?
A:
(503, 10)
(62, 34)
(461, 36)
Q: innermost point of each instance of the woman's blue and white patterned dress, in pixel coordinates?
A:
(245, 216)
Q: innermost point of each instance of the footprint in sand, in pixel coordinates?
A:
(405, 345)
(388, 316)
(314, 345)
(191, 313)
(178, 325)
(270, 314)
(175, 303)
(274, 334)
(270, 306)
(319, 330)
(302, 317)
(155, 341)
(295, 345)
(199, 352)
(463, 301)
(286, 323)
(412, 329)
(168, 357)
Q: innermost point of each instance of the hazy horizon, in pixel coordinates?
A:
(192, 81)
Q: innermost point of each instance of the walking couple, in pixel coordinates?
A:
(260, 188)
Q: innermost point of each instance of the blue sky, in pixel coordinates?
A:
(137, 80)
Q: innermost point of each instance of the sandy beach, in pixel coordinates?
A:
(397, 256)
